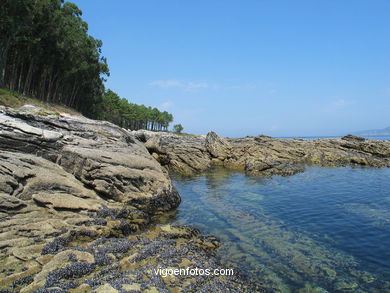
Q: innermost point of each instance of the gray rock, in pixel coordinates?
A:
(217, 147)
(8, 203)
(183, 154)
(262, 154)
(101, 155)
(72, 192)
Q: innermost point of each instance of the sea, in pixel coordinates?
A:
(323, 230)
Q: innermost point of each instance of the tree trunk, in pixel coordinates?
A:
(27, 83)
(3, 60)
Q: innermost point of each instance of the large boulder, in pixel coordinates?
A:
(180, 154)
(217, 146)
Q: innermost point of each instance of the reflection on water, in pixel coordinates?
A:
(325, 230)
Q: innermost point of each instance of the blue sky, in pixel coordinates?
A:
(281, 68)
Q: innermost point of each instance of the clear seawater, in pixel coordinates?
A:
(385, 137)
(324, 230)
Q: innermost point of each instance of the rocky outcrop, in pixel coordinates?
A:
(76, 197)
(72, 193)
(130, 264)
(218, 148)
(100, 155)
(183, 154)
(266, 155)
(263, 155)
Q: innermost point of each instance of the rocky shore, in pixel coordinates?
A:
(77, 199)
(262, 155)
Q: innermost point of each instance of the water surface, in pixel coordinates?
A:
(325, 230)
(376, 137)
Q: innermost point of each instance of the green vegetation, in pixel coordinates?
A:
(16, 100)
(46, 53)
(132, 116)
(178, 128)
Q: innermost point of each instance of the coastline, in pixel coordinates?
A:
(77, 199)
(79, 196)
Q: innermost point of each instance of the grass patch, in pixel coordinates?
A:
(16, 100)
(187, 134)
(177, 133)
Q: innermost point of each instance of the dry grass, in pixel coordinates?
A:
(15, 100)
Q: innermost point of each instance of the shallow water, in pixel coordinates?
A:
(325, 230)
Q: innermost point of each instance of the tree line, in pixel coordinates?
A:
(47, 53)
(132, 116)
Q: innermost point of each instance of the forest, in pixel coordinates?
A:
(47, 53)
(132, 116)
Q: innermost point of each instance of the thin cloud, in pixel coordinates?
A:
(337, 105)
(340, 103)
(167, 105)
(166, 83)
(274, 128)
(196, 85)
(261, 86)
(266, 87)
(173, 83)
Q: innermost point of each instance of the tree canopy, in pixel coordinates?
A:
(46, 52)
(178, 128)
(132, 116)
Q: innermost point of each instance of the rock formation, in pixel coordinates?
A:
(263, 155)
(77, 199)
(72, 193)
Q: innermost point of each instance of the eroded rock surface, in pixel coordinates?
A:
(262, 155)
(72, 193)
(100, 155)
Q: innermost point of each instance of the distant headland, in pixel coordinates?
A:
(374, 132)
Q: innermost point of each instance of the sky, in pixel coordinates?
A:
(274, 67)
